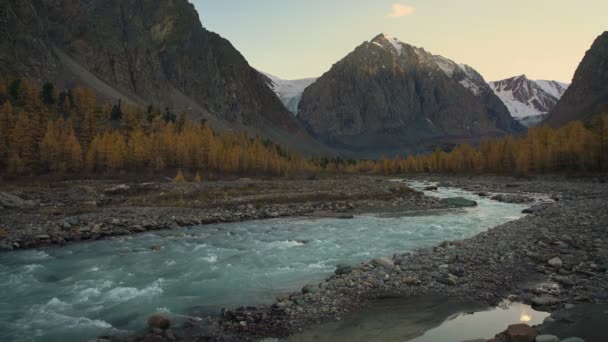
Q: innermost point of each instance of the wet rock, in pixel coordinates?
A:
(159, 322)
(343, 269)
(383, 262)
(430, 188)
(459, 202)
(310, 288)
(519, 333)
(545, 301)
(509, 198)
(547, 338)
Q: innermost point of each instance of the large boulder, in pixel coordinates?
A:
(518, 333)
(159, 322)
(459, 202)
(383, 262)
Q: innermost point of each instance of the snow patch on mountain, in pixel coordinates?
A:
(289, 91)
(528, 100)
(396, 43)
(472, 86)
(553, 88)
(466, 76)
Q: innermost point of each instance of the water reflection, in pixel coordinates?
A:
(423, 319)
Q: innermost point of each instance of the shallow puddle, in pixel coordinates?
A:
(423, 319)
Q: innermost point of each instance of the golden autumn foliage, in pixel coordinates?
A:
(576, 147)
(179, 178)
(43, 131)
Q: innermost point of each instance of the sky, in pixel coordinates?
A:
(295, 39)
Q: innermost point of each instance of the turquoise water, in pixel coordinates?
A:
(110, 287)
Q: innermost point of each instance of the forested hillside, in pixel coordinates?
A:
(44, 130)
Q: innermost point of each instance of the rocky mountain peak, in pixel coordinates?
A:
(528, 100)
(587, 96)
(387, 95)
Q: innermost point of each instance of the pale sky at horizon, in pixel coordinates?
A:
(304, 38)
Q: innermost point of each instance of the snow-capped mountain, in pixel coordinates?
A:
(387, 97)
(462, 73)
(289, 91)
(528, 100)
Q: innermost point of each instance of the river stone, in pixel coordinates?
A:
(459, 202)
(310, 288)
(564, 280)
(544, 301)
(520, 333)
(343, 269)
(555, 262)
(13, 202)
(383, 262)
(74, 221)
(159, 322)
(118, 189)
(546, 338)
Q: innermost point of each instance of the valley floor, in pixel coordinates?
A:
(57, 213)
(553, 258)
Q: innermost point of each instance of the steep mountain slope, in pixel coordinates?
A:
(149, 51)
(390, 97)
(289, 91)
(528, 100)
(587, 96)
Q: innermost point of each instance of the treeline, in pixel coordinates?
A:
(576, 147)
(43, 130)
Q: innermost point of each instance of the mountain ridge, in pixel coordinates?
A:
(587, 96)
(528, 100)
(144, 51)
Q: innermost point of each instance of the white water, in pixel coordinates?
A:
(112, 286)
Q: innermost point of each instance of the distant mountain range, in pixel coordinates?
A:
(587, 96)
(528, 101)
(389, 97)
(385, 97)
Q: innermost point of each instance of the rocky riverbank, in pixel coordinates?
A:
(554, 259)
(57, 213)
